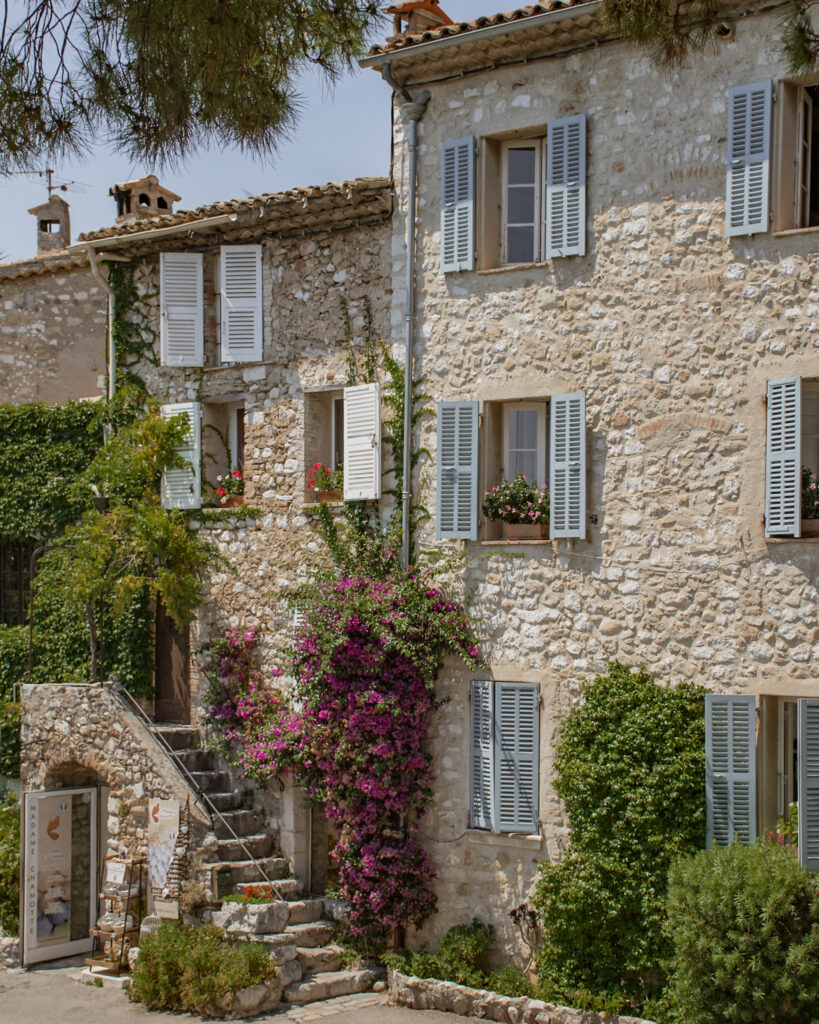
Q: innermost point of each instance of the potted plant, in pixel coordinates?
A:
(325, 483)
(231, 489)
(523, 508)
(810, 504)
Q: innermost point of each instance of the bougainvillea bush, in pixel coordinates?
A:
(364, 662)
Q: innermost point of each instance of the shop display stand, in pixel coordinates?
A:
(122, 899)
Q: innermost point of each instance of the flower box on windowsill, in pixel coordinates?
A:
(525, 531)
(326, 495)
(809, 528)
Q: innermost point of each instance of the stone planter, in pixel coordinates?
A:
(525, 531)
(809, 528)
(252, 918)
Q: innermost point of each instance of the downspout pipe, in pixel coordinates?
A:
(413, 110)
(96, 273)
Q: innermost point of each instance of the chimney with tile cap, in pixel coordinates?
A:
(53, 225)
(145, 197)
(419, 15)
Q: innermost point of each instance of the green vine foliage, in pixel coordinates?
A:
(134, 334)
(9, 863)
(630, 767)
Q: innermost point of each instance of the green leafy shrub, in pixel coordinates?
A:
(191, 969)
(510, 981)
(630, 767)
(460, 957)
(744, 921)
(9, 863)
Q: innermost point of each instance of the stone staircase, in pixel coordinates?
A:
(297, 931)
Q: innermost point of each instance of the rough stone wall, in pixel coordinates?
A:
(52, 333)
(673, 330)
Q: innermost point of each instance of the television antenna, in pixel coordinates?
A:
(52, 186)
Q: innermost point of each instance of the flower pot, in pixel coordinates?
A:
(809, 528)
(525, 531)
(328, 495)
(234, 501)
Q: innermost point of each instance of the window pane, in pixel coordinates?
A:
(521, 205)
(521, 166)
(523, 462)
(523, 428)
(520, 245)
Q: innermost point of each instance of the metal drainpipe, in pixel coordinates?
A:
(97, 274)
(413, 110)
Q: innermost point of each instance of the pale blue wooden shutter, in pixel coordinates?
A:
(517, 707)
(566, 187)
(182, 485)
(241, 286)
(481, 765)
(730, 759)
(458, 204)
(807, 752)
(457, 471)
(783, 458)
(362, 442)
(749, 158)
(181, 322)
(567, 465)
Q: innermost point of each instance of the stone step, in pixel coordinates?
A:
(320, 958)
(212, 781)
(179, 737)
(230, 800)
(329, 985)
(260, 845)
(290, 972)
(305, 911)
(312, 934)
(289, 888)
(243, 823)
(197, 760)
(247, 871)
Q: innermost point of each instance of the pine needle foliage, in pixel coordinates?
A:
(162, 79)
(671, 29)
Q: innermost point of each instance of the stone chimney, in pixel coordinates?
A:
(138, 200)
(419, 15)
(53, 225)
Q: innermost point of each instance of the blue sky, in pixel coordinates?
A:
(342, 134)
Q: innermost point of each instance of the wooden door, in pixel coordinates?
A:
(172, 680)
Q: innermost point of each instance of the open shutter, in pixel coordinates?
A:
(749, 158)
(783, 458)
(481, 768)
(730, 767)
(567, 465)
(182, 486)
(241, 277)
(566, 187)
(807, 752)
(458, 204)
(516, 757)
(362, 442)
(180, 303)
(457, 495)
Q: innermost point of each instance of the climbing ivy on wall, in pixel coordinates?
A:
(134, 334)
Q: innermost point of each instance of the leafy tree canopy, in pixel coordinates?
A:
(163, 78)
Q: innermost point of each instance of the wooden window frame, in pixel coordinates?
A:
(542, 448)
(538, 142)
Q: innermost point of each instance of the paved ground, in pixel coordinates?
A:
(48, 995)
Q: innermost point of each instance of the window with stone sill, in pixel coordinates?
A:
(515, 440)
(796, 192)
(223, 440)
(323, 433)
(792, 458)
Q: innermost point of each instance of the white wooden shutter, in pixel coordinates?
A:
(567, 465)
(457, 495)
(180, 303)
(516, 757)
(749, 158)
(783, 458)
(481, 766)
(566, 187)
(362, 442)
(807, 753)
(241, 281)
(730, 769)
(182, 486)
(458, 204)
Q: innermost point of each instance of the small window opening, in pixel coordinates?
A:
(144, 199)
(161, 203)
(807, 198)
(50, 227)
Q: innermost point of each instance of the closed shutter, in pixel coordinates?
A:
(457, 497)
(566, 187)
(749, 158)
(180, 303)
(362, 442)
(458, 204)
(730, 760)
(481, 770)
(808, 759)
(516, 757)
(182, 486)
(241, 278)
(783, 458)
(567, 466)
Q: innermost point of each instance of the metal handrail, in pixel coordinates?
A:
(207, 804)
